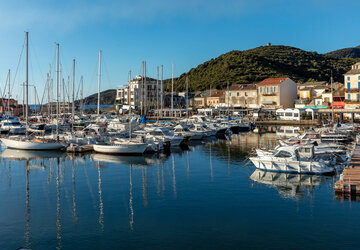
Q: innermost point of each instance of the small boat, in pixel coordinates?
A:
(122, 147)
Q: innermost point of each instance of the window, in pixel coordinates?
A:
(229, 94)
(288, 114)
(358, 85)
(276, 89)
(349, 97)
(261, 99)
(296, 115)
(358, 77)
(268, 99)
(357, 97)
(283, 154)
(245, 94)
(260, 89)
(275, 99)
(237, 94)
(348, 78)
(348, 85)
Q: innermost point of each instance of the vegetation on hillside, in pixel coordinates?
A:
(254, 65)
(345, 53)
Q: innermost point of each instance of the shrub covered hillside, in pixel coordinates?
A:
(254, 65)
(345, 53)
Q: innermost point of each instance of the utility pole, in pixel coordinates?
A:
(99, 80)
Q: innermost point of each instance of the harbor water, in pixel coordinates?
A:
(205, 197)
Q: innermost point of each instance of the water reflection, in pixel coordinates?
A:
(95, 196)
(289, 185)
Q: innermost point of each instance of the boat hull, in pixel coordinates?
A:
(121, 149)
(292, 166)
(32, 145)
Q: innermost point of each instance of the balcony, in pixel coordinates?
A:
(352, 90)
(352, 101)
(269, 94)
(303, 101)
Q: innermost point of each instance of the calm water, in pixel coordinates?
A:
(206, 197)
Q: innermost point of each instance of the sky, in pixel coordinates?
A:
(186, 33)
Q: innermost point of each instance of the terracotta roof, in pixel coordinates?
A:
(217, 94)
(242, 87)
(272, 81)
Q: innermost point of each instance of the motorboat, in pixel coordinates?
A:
(12, 126)
(292, 159)
(164, 134)
(183, 130)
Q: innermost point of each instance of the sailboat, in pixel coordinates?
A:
(124, 146)
(31, 143)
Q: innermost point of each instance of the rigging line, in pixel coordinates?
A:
(18, 65)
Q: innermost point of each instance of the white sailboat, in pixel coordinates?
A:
(123, 147)
(29, 143)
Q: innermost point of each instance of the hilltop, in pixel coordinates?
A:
(345, 53)
(254, 65)
(107, 97)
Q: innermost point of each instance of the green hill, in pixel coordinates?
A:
(345, 53)
(254, 65)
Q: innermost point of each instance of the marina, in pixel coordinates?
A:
(61, 200)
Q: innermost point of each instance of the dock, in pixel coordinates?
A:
(288, 123)
(349, 182)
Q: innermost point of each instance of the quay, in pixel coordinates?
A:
(349, 182)
(288, 122)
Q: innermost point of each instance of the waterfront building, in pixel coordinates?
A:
(140, 90)
(200, 98)
(277, 93)
(352, 87)
(215, 99)
(241, 95)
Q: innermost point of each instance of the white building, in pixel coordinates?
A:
(140, 92)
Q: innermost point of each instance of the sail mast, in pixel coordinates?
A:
(98, 103)
(130, 107)
(187, 97)
(81, 94)
(73, 94)
(172, 90)
(8, 106)
(27, 78)
(157, 93)
(162, 90)
(57, 91)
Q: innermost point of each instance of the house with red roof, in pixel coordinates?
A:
(277, 93)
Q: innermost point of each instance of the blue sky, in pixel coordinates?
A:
(186, 32)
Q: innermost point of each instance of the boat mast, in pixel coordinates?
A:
(81, 94)
(8, 106)
(187, 97)
(142, 88)
(57, 91)
(27, 79)
(145, 91)
(157, 93)
(35, 100)
(130, 107)
(227, 87)
(162, 90)
(172, 90)
(98, 103)
(332, 99)
(73, 94)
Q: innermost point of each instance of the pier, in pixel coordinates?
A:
(349, 182)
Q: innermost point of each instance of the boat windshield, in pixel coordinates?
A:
(283, 154)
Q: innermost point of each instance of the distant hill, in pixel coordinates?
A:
(107, 97)
(345, 53)
(254, 65)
